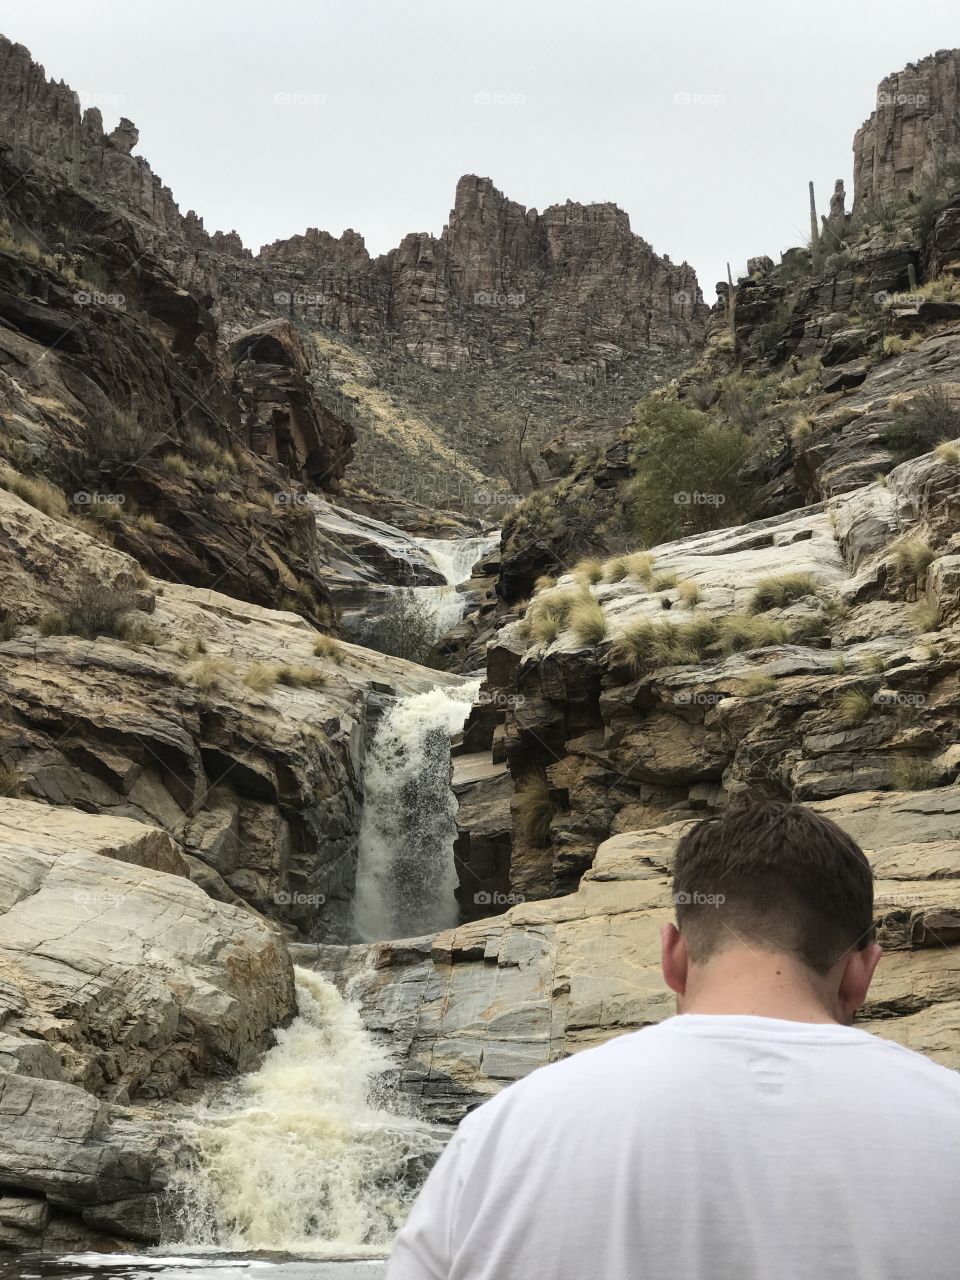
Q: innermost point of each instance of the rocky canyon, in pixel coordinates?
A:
(371, 628)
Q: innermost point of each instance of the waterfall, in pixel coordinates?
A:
(454, 558)
(406, 879)
(305, 1154)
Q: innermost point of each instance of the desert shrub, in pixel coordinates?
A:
(328, 647)
(545, 626)
(663, 581)
(874, 662)
(134, 629)
(544, 582)
(120, 437)
(589, 571)
(912, 773)
(645, 645)
(98, 609)
(689, 592)
(8, 628)
(175, 464)
(300, 677)
(932, 416)
(742, 631)
(854, 706)
(209, 673)
(588, 622)
(615, 570)
(948, 452)
(926, 617)
(535, 808)
(756, 684)
(35, 490)
(777, 591)
(686, 473)
(640, 565)
(261, 676)
(913, 557)
(10, 780)
(405, 628)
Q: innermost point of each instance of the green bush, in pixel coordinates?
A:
(932, 416)
(686, 473)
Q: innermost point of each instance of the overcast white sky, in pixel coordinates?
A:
(269, 118)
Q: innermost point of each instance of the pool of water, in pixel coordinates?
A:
(193, 1266)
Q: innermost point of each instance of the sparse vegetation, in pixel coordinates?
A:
(756, 684)
(949, 452)
(778, 591)
(8, 628)
(876, 663)
(913, 557)
(615, 570)
(912, 773)
(209, 673)
(405, 628)
(929, 418)
(300, 677)
(926, 617)
(545, 627)
(645, 645)
(10, 780)
(689, 592)
(328, 647)
(640, 565)
(854, 706)
(589, 571)
(535, 808)
(52, 623)
(742, 631)
(588, 622)
(261, 676)
(544, 583)
(35, 490)
(135, 630)
(663, 581)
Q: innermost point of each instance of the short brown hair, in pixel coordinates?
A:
(778, 875)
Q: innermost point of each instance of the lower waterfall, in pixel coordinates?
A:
(406, 879)
(305, 1154)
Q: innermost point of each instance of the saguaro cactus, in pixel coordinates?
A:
(814, 221)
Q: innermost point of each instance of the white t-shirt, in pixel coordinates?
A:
(709, 1146)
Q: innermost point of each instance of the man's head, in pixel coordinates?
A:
(772, 895)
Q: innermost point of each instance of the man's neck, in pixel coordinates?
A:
(743, 981)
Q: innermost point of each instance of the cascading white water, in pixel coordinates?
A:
(454, 558)
(305, 1154)
(405, 873)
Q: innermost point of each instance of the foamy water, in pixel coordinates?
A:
(305, 1155)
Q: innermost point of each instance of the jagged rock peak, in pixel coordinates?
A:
(915, 123)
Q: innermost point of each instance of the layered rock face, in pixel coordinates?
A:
(915, 126)
(121, 981)
(474, 1009)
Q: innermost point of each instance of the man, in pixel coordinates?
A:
(757, 1136)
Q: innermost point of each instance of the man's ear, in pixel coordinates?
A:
(674, 958)
(857, 975)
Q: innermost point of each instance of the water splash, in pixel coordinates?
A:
(305, 1154)
(454, 558)
(406, 879)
